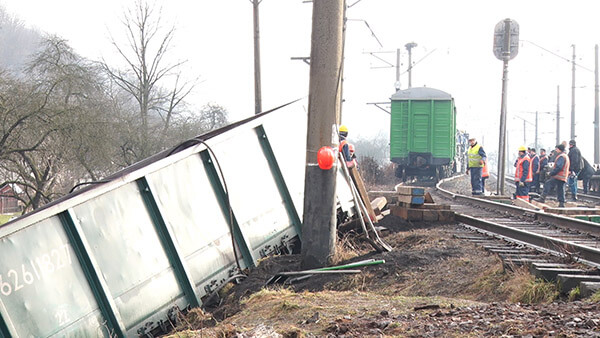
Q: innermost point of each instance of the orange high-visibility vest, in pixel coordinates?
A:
(519, 171)
(530, 174)
(564, 172)
(485, 172)
(342, 144)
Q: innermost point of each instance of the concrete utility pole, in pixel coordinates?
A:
(257, 86)
(409, 46)
(557, 115)
(319, 224)
(573, 98)
(397, 84)
(536, 132)
(596, 114)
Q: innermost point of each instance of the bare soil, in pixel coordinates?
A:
(431, 285)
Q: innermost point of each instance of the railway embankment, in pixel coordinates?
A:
(434, 283)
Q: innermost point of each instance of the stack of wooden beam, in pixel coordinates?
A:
(586, 214)
(414, 204)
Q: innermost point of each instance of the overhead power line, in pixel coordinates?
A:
(557, 55)
(369, 27)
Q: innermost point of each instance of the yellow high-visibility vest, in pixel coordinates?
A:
(474, 157)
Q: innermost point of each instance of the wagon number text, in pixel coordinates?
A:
(37, 269)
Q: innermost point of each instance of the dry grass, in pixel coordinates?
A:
(346, 248)
(595, 298)
(293, 314)
(514, 285)
(523, 287)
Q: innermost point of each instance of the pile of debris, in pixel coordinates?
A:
(413, 203)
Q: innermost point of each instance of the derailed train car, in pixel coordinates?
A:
(423, 133)
(122, 258)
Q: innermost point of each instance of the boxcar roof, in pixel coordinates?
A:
(421, 93)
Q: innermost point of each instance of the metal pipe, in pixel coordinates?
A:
(596, 113)
(573, 98)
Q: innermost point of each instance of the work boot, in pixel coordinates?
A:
(561, 204)
(542, 198)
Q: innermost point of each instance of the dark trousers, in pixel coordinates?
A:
(535, 186)
(522, 191)
(560, 188)
(476, 187)
(586, 183)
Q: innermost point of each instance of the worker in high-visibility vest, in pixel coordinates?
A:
(523, 174)
(344, 146)
(558, 176)
(476, 159)
(535, 169)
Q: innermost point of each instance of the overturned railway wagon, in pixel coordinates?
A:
(423, 133)
(121, 258)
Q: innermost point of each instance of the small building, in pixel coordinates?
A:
(9, 203)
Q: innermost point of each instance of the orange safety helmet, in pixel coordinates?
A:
(325, 158)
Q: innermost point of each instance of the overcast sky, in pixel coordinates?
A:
(454, 54)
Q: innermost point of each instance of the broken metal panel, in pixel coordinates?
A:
(287, 137)
(190, 208)
(43, 289)
(171, 247)
(278, 177)
(126, 237)
(127, 249)
(254, 196)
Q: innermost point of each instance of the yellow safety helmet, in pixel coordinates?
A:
(343, 128)
(522, 148)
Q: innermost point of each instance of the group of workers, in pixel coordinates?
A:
(531, 169)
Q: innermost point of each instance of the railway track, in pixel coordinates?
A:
(555, 247)
(586, 199)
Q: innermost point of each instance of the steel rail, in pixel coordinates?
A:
(554, 244)
(561, 247)
(557, 220)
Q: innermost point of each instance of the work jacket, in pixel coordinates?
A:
(587, 171)
(543, 162)
(535, 162)
(344, 149)
(523, 172)
(575, 162)
(561, 167)
(475, 155)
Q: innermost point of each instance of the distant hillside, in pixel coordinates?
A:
(17, 41)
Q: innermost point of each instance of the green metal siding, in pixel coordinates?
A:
(422, 126)
(119, 259)
(443, 145)
(399, 129)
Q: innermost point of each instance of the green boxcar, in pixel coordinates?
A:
(423, 132)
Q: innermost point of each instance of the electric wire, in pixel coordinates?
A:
(198, 140)
(86, 183)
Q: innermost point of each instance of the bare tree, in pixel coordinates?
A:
(146, 72)
(53, 128)
(213, 116)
